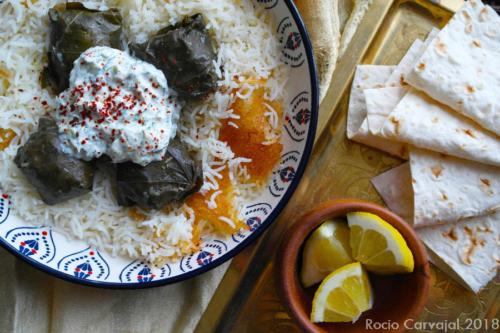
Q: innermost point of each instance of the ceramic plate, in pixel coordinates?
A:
(76, 261)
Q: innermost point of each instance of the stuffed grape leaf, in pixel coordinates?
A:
(185, 53)
(172, 179)
(74, 29)
(57, 176)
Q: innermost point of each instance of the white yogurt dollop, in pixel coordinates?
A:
(116, 105)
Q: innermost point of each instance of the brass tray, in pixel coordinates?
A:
(247, 300)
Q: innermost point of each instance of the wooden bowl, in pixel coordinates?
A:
(398, 299)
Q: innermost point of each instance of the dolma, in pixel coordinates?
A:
(56, 176)
(73, 30)
(185, 53)
(172, 179)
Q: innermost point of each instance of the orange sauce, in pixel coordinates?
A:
(135, 214)
(27, 3)
(5, 76)
(6, 137)
(224, 201)
(246, 140)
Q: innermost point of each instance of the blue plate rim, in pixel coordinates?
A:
(270, 220)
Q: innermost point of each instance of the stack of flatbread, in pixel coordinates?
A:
(440, 109)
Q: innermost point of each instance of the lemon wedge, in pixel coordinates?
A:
(343, 295)
(326, 249)
(378, 245)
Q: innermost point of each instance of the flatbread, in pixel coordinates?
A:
(379, 104)
(447, 189)
(471, 249)
(394, 186)
(425, 123)
(467, 251)
(398, 76)
(381, 101)
(461, 66)
(368, 76)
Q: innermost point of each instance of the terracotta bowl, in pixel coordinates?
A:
(397, 298)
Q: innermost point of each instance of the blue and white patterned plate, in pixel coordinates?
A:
(75, 261)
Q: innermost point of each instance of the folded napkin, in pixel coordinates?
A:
(331, 25)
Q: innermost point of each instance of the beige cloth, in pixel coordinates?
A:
(331, 25)
(32, 301)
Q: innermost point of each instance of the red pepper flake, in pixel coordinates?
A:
(122, 140)
(5, 196)
(83, 142)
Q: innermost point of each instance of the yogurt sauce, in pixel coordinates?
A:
(116, 105)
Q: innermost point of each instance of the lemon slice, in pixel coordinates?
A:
(324, 251)
(378, 245)
(343, 295)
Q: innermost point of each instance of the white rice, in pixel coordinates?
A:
(247, 46)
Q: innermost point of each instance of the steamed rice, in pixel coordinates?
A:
(248, 48)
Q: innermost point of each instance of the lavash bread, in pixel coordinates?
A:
(469, 249)
(322, 21)
(379, 104)
(398, 77)
(381, 101)
(461, 67)
(394, 186)
(447, 189)
(357, 14)
(425, 123)
(368, 76)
